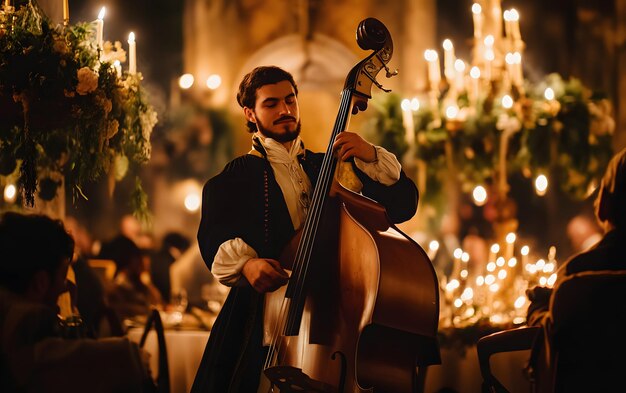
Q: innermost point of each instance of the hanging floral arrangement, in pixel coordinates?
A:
(67, 108)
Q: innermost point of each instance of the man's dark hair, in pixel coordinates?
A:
(254, 80)
(28, 244)
(122, 251)
(177, 240)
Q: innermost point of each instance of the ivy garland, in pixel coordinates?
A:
(65, 108)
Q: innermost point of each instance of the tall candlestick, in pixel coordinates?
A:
(475, 75)
(66, 12)
(434, 73)
(100, 29)
(459, 68)
(515, 32)
(448, 60)
(132, 54)
(507, 24)
(478, 20)
(407, 121)
(489, 56)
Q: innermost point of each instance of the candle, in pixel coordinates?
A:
(100, 29)
(507, 24)
(493, 252)
(66, 12)
(132, 54)
(407, 121)
(515, 32)
(7, 5)
(434, 73)
(518, 78)
(448, 60)
(489, 56)
(525, 251)
(459, 68)
(478, 20)
(510, 241)
(118, 68)
(475, 75)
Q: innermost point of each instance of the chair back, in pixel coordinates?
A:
(163, 378)
(586, 336)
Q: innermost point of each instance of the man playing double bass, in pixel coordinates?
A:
(252, 209)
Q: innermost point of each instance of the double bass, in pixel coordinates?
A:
(361, 309)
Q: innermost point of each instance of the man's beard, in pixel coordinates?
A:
(287, 136)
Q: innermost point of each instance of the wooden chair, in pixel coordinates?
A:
(105, 268)
(582, 345)
(163, 377)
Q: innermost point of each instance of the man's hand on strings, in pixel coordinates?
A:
(348, 144)
(265, 275)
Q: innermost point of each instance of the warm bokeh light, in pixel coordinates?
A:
(415, 104)
(458, 253)
(10, 192)
(452, 112)
(514, 15)
(430, 55)
(476, 8)
(510, 238)
(213, 82)
(490, 279)
(541, 185)
(405, 104)
(101, 13)
(480, 280)
(489, 40)
(433, 245)
(507, 101)
(512, 262)
(500, 261)
(131, 37)
(520, 301)
(525, 250)
(464, 273)
(475, 72)
(480, 195)
(185, 81)
(465, 257)
(502, 274)
(459, 65)
(495, 248)
(548, 93)
(491, 266)
(192, 202)
(447, 44)
(509, 58)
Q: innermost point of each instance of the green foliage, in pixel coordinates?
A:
(570, 134)
(66, 110)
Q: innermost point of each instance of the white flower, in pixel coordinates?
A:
(87, 81)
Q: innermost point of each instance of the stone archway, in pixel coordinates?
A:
(319, 67)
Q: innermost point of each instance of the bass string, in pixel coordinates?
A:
(311, 224)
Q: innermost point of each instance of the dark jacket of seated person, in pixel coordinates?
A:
(36, 253)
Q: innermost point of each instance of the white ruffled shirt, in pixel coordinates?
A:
(297, 191)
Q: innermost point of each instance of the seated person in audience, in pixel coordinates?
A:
(172, 247)
(90, 299)
(610, 252)
(36, 254)
(132, 293)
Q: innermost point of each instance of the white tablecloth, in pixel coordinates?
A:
(184, 352)
(462, 373)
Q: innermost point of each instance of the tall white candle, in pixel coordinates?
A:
(434, 72)
(132, 54)
(407, 121)
(448, 60)
(459, 74)
(477, 14)
(515, 32)
(100, 29)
